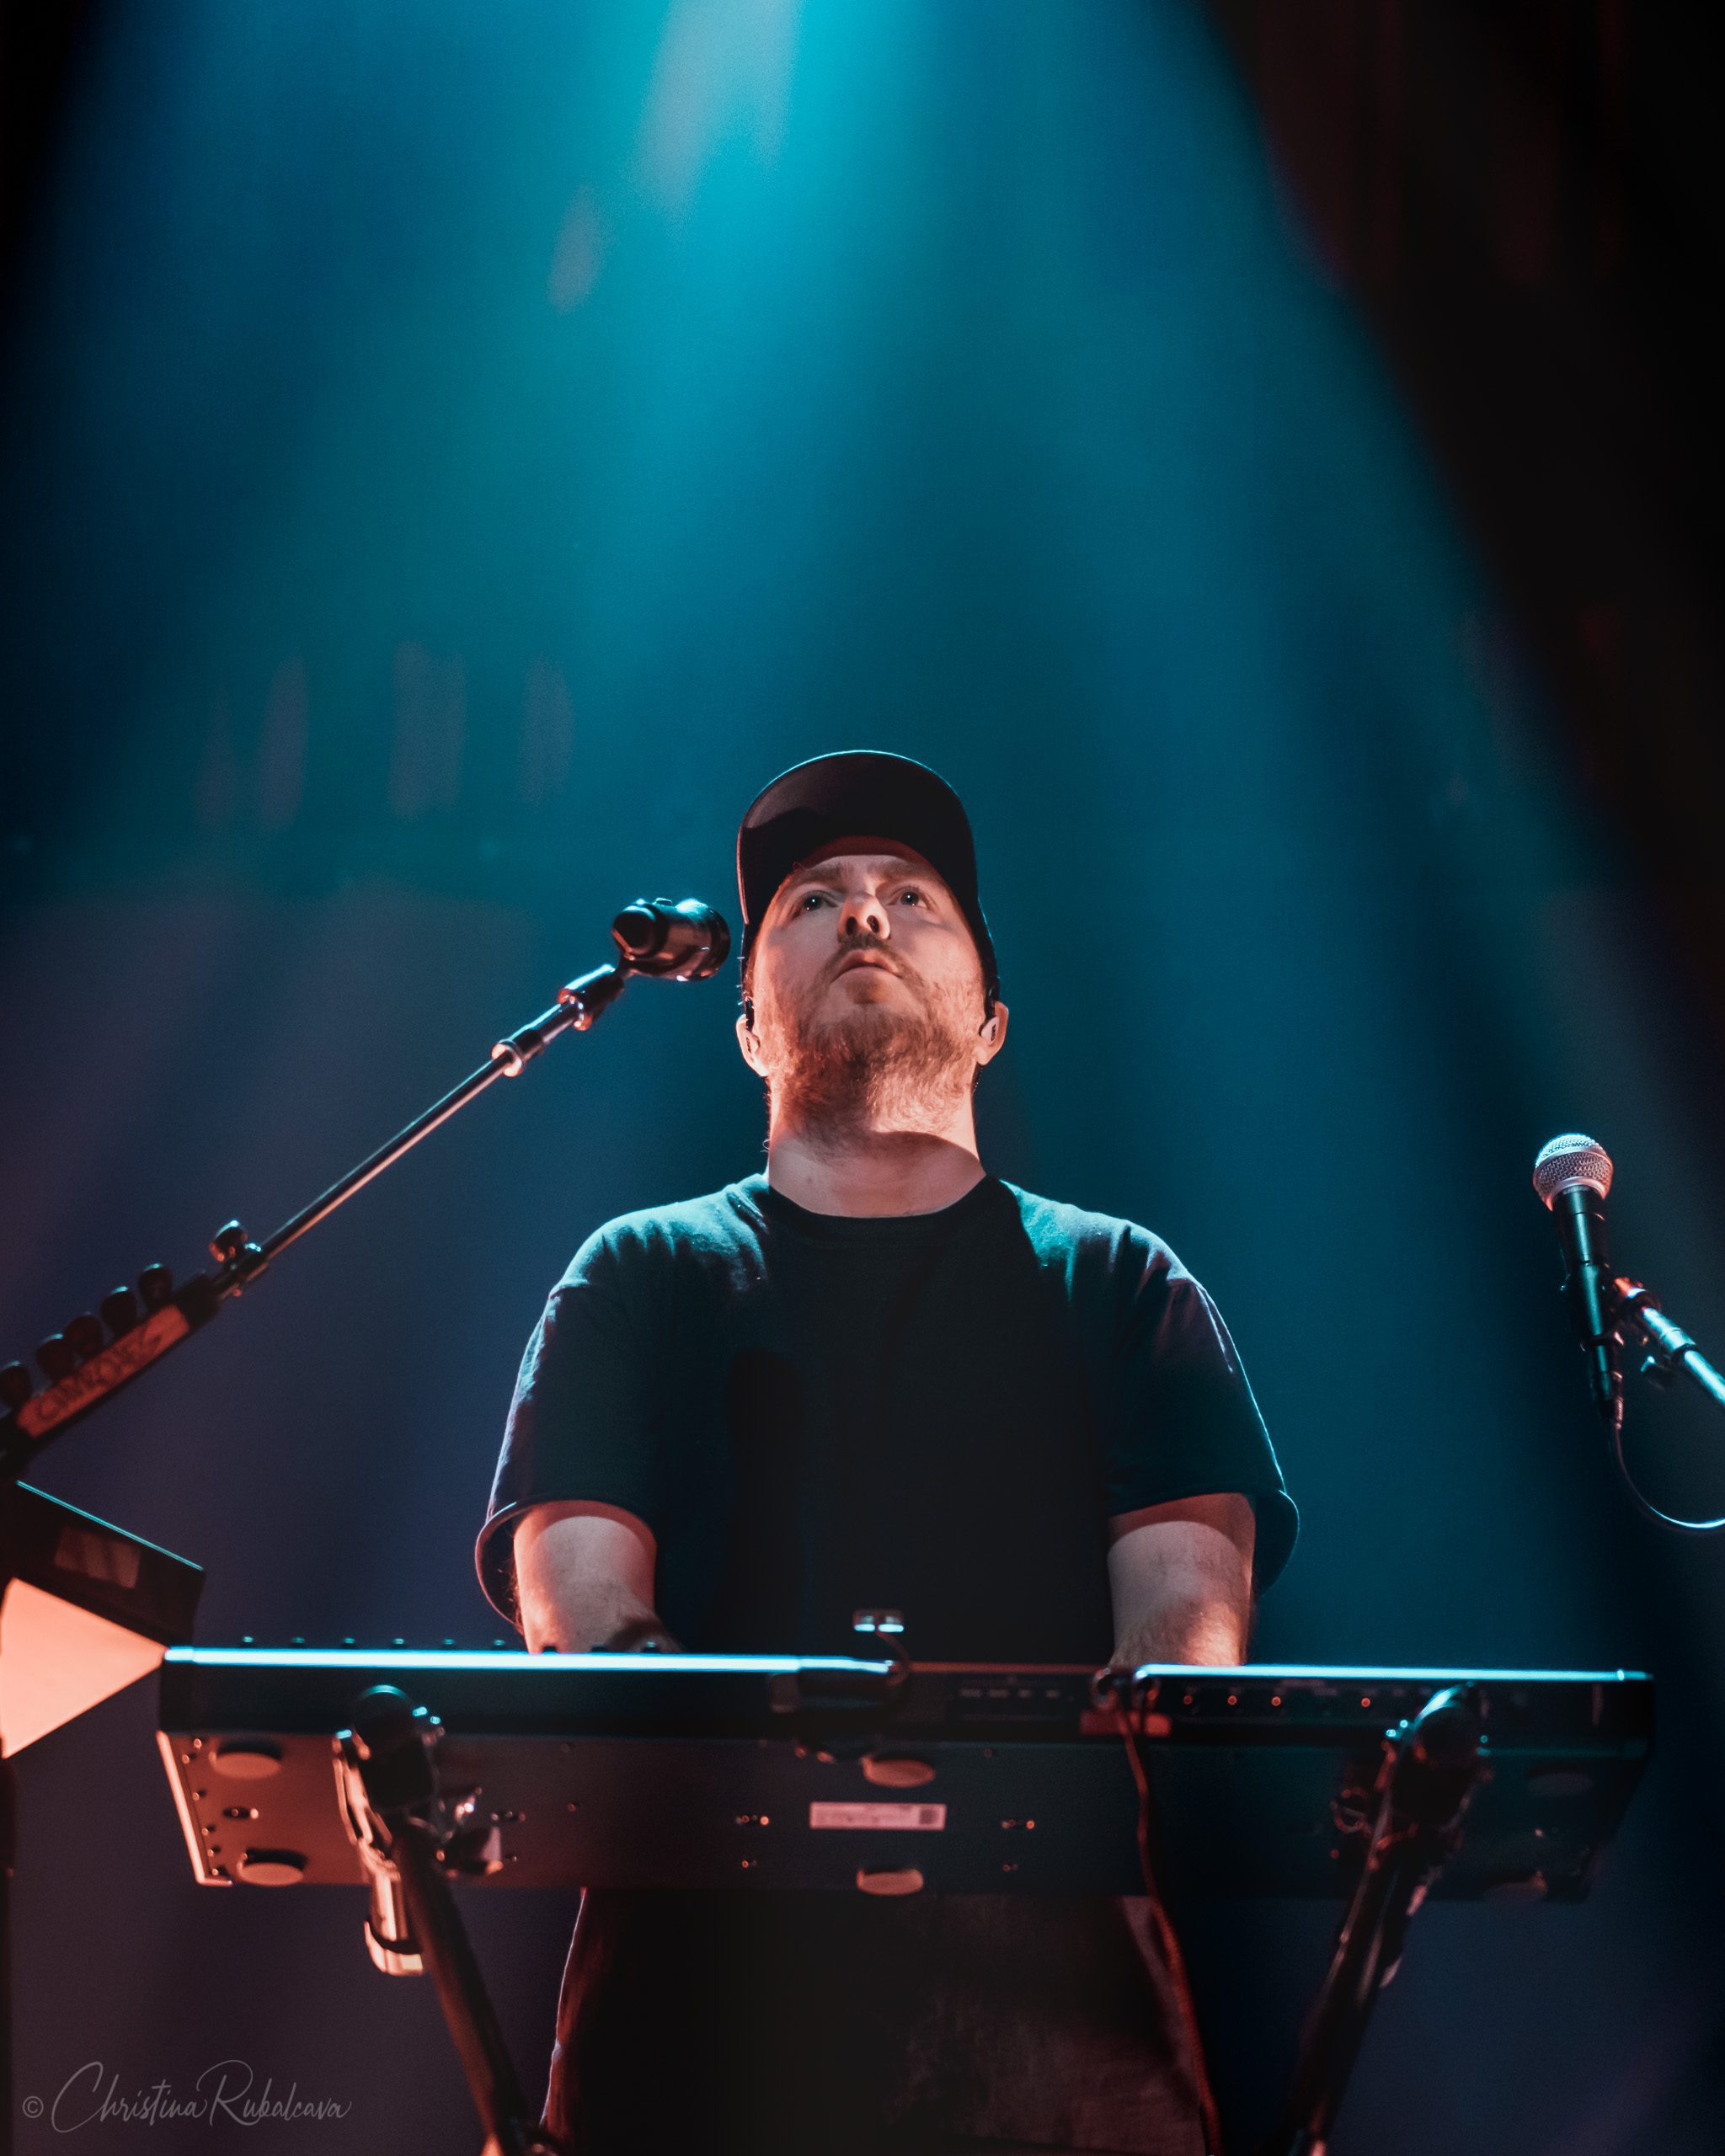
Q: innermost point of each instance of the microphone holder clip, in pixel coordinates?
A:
(1668, 1350)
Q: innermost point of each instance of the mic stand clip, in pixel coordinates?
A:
(1425, 1778)
(413, 1835)
(1670, 1348)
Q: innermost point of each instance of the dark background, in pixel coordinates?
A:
(1266, 457)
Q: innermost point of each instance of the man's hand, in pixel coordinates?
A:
(584, 1575)
(1181, 1578)
(640, 1636)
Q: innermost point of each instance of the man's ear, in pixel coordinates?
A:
(750, 1045)
(991, 1034)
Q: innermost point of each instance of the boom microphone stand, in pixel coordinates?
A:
(85, 1366)
(1669, 1350)
(94, 1357)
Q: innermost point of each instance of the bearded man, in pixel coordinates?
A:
(877, 1377)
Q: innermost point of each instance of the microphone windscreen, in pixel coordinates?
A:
(1570, 1162)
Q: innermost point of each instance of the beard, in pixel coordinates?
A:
(872, 1066)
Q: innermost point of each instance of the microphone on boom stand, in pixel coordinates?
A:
(1573, 1174)
(663, 938)
(684, 940)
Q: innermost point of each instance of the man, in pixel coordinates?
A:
(877, 1377)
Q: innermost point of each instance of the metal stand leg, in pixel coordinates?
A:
(9, 1830)
(1429, 1770)
(387, 1762)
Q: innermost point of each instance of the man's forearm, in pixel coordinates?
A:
(1196, 1627)
(1181, 1580)
(575, 1619)
(585, 1575)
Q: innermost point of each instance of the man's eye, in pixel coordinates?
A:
(814, 898)
(912, 897)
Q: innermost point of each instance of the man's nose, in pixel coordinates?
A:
(863, 916)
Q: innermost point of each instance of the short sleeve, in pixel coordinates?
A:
(1184, 1422)
(584, 1422)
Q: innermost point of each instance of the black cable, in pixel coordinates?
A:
(1131, 1712)
(1671, 1352)
(1646, 1506)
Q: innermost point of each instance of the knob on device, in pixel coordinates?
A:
(120, 1310)
(84, 1336)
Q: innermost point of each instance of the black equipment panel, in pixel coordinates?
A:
(758, 1772)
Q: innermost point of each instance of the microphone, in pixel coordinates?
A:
(1574, 1174)
(681, 941)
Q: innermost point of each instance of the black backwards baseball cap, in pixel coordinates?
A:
(859, 793)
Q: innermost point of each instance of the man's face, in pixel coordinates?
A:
(864, 968)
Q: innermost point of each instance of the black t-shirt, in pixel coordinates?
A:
(936, 1413)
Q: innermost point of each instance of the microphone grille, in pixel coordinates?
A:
(1570, 1160)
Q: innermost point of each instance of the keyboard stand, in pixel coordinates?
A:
(1413, 1815)
(1352, 1782)
(412, 1836)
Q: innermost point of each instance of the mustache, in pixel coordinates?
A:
(857, 947)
